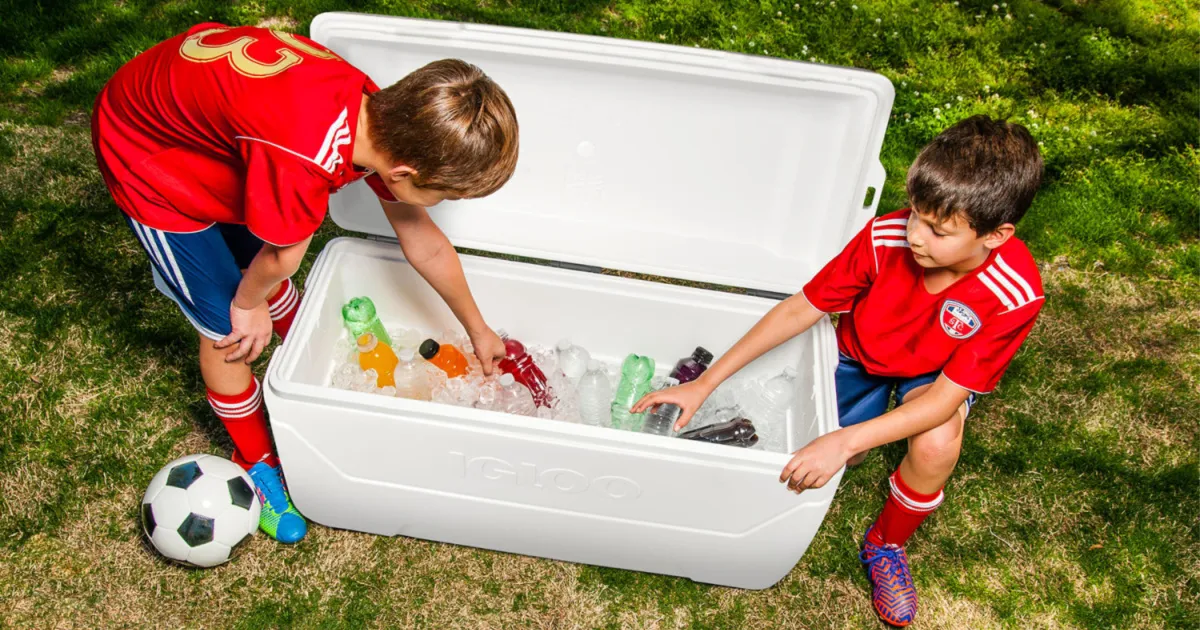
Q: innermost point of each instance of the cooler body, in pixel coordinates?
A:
(392, 466)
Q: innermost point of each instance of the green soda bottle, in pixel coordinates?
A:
(360, 317)
(636, 373)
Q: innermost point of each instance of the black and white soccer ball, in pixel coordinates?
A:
(199, 508)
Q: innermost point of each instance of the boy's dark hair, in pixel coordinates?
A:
(989, 170)
(452, 124)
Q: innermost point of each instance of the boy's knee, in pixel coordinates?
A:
(939, 446)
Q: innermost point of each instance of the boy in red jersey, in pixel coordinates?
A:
(935, 301)
(222, 145)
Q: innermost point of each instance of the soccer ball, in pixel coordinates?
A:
(199, 508)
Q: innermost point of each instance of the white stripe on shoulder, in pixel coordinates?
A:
(997, 291)
(900, 233)
(329, 136)
(1013, 291)
(891, 222)
(891, 243)
(1029, 294)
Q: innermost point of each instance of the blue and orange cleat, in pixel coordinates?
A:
(279, 518)
(892, 590)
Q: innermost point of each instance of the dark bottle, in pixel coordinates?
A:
(736, 432)
(690, 368)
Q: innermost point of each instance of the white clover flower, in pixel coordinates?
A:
(1031, 114)
(955, 2)
(1093, 132)
(813, 59)
(1041, 144)
(904, 84)
(779, 14)
(854, 7)
(959, 98)
(878, 21)
(1008, 16)
(1042, 45)
(734, 26)
(995, 7)
(916, 93)
(796, 6)
(947, 105)
(937, 110)
(662, 36)
(752, 44)
(1066, 128)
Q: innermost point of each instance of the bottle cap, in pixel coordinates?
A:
(702, 355)
(367, 342)
(789, 372)
(506, 380)
(429, 349)
(501, 333)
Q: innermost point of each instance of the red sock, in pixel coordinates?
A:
(283, 307)
(903, 512)
(243, 417)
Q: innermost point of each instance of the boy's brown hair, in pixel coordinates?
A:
(452, 124)
(989, 170)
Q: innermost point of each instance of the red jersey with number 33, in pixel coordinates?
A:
(239, 125)
(895, 327)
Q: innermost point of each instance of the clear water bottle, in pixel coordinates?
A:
(661, 418)
(514, 397)
(573, 360)
(411, 376)
(595, 396)
(767, 406)
(636, 372)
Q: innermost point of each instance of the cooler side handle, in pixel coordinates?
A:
(876, 177)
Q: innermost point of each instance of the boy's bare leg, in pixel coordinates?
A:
(933, 454)
(227, 379)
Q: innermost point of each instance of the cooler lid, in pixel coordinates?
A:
(679, 162)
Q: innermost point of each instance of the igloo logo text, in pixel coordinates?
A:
(525, 474)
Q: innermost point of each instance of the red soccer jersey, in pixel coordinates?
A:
(231, 125)
(895, 327)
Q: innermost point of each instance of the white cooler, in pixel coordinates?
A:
(676, 162)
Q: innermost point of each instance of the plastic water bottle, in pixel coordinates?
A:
(661, 418)
(767, 405)
(521, 366)
(514, 397)
(595, 396)
(411, 377)
(636, 372)
(446, 357)
(374, 354)
(573, 360)
(690, 368)
(360, 318)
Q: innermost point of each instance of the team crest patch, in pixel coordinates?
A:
(957, 320)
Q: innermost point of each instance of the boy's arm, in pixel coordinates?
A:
(786, 320)
(251, 322)
(815, 464)
(429, 252)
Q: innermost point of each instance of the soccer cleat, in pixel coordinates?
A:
(892, 590)
(279, 518)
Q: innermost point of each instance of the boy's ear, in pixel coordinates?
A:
(999, 236)
(400, 171)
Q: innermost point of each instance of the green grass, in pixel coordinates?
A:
(1075, 502)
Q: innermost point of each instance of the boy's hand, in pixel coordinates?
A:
(815, 464)
(251, 331)
(489, 348)
(688, 396)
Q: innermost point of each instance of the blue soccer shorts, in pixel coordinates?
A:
(200, 271)
(862, 396)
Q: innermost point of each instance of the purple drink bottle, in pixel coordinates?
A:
(690, 368)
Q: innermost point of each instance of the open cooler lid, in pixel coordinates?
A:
(679, 162)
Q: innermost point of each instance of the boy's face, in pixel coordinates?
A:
(951, 243)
